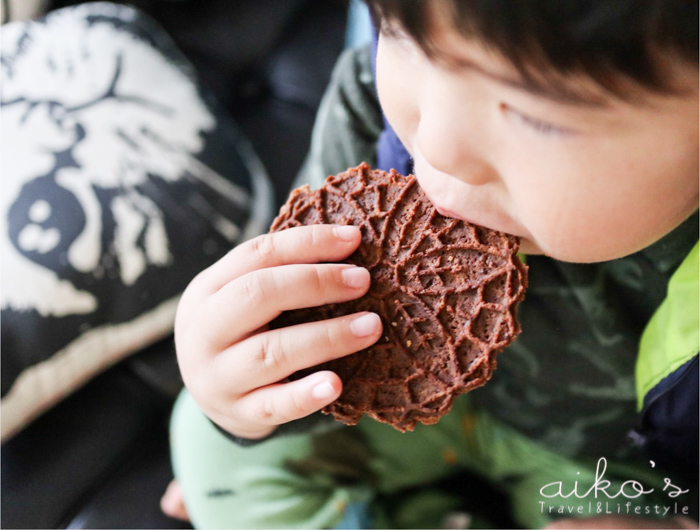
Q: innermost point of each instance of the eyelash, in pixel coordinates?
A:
(541, 127)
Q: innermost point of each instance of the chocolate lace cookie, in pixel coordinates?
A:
(446, 292)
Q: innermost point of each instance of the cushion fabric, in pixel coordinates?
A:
(122, 179)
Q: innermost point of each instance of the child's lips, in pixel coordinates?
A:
(433, 184)
(449, 213)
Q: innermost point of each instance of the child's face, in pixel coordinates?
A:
(581, 181)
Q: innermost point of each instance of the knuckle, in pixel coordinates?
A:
(297, 406)
(332, 336)
(316, 235)
(254, 289)
(320, 279)
(270, 414)
(282, 410)
(206, 282)
(270, 353)
(263, 248)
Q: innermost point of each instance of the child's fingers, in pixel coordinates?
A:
(266, 358)
(281, 403)
(303, 244)
(253, 300)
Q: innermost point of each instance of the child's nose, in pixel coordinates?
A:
(448, 153)
(448, 134)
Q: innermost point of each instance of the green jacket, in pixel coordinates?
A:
(577, 378)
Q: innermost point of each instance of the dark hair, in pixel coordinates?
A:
(602, 39)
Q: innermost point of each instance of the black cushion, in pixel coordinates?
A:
(100, 458)
(123, 179)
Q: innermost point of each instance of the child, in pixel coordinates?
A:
(573, 125)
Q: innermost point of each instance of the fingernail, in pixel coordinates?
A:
(355, 277)
(323, 391)
(346, 233)
(365, 325)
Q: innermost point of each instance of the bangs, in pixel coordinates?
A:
(608, 41)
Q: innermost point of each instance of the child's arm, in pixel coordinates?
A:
(233, 365)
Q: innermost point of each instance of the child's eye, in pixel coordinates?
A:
(539, 126)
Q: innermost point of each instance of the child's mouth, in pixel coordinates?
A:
(527, 245)
(450, 213)
(447, 213)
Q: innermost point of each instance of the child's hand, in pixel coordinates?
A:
(232, 364)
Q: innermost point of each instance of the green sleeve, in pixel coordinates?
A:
(348, 122)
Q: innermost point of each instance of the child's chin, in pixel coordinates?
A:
(530, 248)
(571, 254)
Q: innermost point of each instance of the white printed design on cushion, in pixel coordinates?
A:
(60, 98)
(102, 136)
